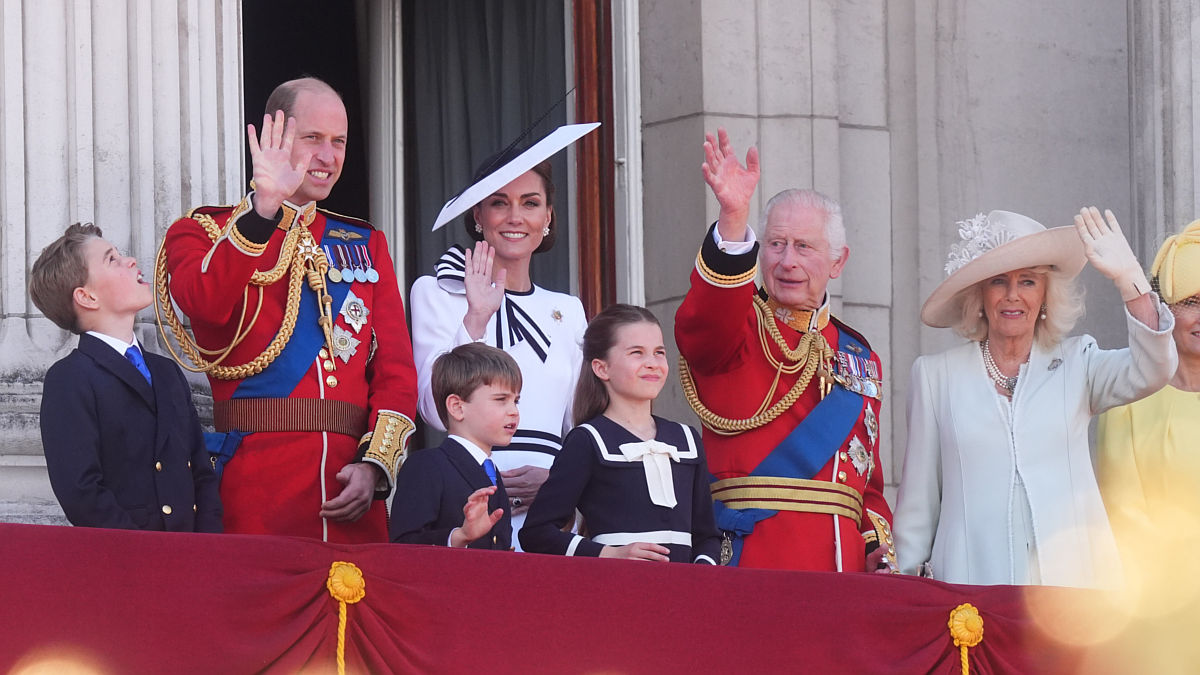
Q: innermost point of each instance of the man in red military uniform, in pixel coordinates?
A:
(789, 396)
(299, 324)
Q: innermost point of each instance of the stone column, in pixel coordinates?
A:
(1164, 110)
(125, 113)
(805, 81)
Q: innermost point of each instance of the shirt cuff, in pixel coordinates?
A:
(734, 247)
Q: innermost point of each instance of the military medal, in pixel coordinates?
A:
(354, 311)
(872, 424)
(334, 274)
(372, 273)
(858, 374)
(345, 345)
(360, 275)
(556, 315)
(344, 261)
(726, 548)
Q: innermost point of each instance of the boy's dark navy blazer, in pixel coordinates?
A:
(431, 489)
(121, 453)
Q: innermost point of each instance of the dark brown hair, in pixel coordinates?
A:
(591, 396)
(543, 169)
(58, 271)
(284, 96)
(468, 367)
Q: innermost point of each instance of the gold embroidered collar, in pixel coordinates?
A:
(801, 320)
(305, 213)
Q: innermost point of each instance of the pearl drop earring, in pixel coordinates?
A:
(1043, 317)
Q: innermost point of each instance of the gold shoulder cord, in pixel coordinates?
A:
(809, 356)
(299, 258)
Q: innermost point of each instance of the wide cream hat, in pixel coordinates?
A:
(1000, 242)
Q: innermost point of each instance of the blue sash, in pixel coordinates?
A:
(280, 378)
(808, 448)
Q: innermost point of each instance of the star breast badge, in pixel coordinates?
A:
(345, 345)
(860, 456)
(355, 311)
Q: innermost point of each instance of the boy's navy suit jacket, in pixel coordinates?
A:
(121, 453)
(431, 489)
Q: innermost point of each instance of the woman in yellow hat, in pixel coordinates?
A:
(1149, 451)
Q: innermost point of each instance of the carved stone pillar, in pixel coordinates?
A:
(1164, 109)
(125, 113)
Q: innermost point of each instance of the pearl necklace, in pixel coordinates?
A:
(1008, 384)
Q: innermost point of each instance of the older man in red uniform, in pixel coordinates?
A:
(299, 324)
(789, 396)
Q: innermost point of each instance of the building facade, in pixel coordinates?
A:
(913, 113)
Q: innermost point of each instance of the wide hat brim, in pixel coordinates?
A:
(536, 154)
(1059, 248)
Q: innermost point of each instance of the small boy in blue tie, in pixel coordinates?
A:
(451, 495)
(123, 444)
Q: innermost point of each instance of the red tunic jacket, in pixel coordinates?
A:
(717, 331)
(277, 480)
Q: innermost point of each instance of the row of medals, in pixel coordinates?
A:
(349, 263)
(862, 384)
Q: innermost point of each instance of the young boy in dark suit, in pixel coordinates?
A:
(123, 445)
(452, 495)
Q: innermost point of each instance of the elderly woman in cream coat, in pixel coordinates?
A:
(998, 485)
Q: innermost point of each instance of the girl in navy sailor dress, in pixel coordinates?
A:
(640, 481)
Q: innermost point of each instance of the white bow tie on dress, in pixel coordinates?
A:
(655, 457)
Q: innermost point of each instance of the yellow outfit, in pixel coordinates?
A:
(1148, 459)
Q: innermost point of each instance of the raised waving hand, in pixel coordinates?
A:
(276, 175)
(484, 291)
(731, 182)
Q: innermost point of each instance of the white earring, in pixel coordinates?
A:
(478, 228)
(1043, 313)
(546, 231)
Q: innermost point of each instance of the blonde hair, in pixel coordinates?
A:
(1064, 308)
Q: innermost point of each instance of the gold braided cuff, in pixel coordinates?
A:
(881, 532)
(387, 442)
(235, 236)
(243, 244)
(723, 280)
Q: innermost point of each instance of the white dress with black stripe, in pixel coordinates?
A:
(542, 331)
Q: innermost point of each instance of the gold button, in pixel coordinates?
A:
(843, 456)
(324, 354)
(158, 466)
(167, 509)
(328, 366)
(189, 463)
(842, 476)
(331, 381)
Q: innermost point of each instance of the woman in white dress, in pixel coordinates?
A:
(485, 294)
(998, 485)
